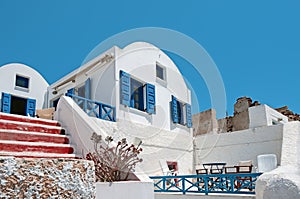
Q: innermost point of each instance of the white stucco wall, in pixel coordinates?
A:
(283, 182)
(157, 144)
(239, 145)
(264, 115)
(37, 84)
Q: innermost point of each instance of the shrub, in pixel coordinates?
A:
(113, 163)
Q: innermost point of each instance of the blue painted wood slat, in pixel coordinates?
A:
(5, 102)
(30, 108)
(150, 99)
(124, 88)
(174, 111)
(189, 123)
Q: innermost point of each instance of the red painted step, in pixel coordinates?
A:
(24, 126)
(17, 146)
(33, 137)
(20, 118)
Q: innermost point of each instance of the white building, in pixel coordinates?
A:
(140, 81)
(141, 89)
(23, 89)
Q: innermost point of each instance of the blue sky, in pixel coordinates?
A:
(255, 44)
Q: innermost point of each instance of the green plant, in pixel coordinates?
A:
(113, 163)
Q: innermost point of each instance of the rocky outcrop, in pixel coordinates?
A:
(46, 178)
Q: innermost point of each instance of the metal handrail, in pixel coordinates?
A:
(238, 183)
(94, 108)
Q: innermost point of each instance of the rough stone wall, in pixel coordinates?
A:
(290, 114)
(46, 178)
(241, 114)
(205, 122)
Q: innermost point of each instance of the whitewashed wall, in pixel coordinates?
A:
(264, 115)
(157, 144)
(239, 145)
(283, 182)
(37, 84)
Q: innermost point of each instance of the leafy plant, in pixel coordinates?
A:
(113, 163)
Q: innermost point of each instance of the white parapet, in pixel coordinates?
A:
(284, 182)
(125, 189)
(264, 115)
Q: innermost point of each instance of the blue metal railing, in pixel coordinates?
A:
(94, 108)
(239, 183)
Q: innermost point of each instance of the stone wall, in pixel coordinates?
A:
(205, 122)
(46, 178)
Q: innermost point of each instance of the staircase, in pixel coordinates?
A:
(22, 136)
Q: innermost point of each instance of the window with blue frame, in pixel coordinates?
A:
(136, 94)
(181, 112)
(22, 82)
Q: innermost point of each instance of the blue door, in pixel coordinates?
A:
(5, 103)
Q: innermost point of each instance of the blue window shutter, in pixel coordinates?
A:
(6, 101)
(150, 98)
(30, 109)
(174, 111)
(124, 88)
(71, 91)
(87, 88)
(188, 116)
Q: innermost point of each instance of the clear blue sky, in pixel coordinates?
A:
(255, 44)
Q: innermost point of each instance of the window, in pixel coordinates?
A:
(22, 82)
(137, 94)
(160, 72)
(181, 112)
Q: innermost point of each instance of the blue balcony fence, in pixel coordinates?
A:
(94, 108)
(238, 183)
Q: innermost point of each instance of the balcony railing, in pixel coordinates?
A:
(239, 183)
(94, 108)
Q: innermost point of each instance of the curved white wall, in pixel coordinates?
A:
(37, 84)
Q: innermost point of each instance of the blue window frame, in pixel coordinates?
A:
(22, 81)
(181, 112)
(137, 94)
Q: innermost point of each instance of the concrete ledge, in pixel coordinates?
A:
(126, 189)
(201, 196)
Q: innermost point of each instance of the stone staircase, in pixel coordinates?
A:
(27, 137)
